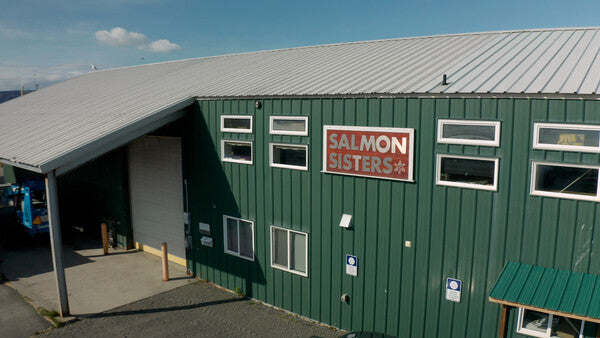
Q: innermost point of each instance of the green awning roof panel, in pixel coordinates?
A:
(557, 290)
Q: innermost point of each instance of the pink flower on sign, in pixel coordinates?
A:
(400, 167)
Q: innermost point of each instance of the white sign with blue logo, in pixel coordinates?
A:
(351, 265)
(453, 289)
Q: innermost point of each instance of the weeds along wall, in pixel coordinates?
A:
(455, 232)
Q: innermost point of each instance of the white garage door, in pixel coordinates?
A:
(157, 194)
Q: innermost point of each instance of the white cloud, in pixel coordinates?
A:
(120, 37)
(162, 46)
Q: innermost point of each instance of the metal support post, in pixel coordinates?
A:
(56, 243)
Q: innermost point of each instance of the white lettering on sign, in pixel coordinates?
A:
(369, 151)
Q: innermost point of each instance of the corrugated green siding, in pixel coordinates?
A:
(461, 233)
(98, 192)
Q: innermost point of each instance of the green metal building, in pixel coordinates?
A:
(443, 186)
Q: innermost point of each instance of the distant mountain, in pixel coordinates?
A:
(11, 94)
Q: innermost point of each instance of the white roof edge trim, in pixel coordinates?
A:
(20, 165)
(121, 137)
(554, 96)
(355, 42)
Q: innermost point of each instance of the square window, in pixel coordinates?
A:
(467, 172)
(289, 125)
(566, 137)
(540, 324)
(289, 156)
(469, 132)
(236, 151)
(238, 237)
(565, 181)
(236, 123)
(289, 250)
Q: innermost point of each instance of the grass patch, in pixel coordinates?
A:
(238, 291)
(51, 315)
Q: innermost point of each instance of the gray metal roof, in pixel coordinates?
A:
(69, 123)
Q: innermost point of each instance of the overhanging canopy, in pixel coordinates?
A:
(561, 292)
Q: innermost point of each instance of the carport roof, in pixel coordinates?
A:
(70, 123)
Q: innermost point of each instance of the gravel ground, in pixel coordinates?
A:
(199, 310)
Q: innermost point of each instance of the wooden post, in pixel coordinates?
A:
(503, 315)
(104, 238)
(165, 261)
(56, 243)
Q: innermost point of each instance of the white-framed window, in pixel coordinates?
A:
(290, 156)
(469, 132)
(238, 237)
(467, 172)
(566, 137)
(540, 324)
(289, 125)
(573, 181)
(236, 123)
(289, 250)
(236, 151)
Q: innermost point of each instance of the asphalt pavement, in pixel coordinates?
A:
(194, 310)
(17, 317)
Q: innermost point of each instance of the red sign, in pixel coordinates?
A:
(369, 151)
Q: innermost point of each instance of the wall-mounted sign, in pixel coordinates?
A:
(351, 265)
(369, 151)
(453, 289)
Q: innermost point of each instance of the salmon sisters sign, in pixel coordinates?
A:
(369, 151)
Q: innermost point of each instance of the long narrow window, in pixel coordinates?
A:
(540, 324)
(289, 250)
(566, 137)
(238, 237)
(289, 156)
(236, 151)
(236, 123)
(467, 172)
(289, 125)
(565, 181)
(469, 132)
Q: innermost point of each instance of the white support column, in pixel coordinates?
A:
(56, 243)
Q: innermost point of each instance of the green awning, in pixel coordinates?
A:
(562, 292)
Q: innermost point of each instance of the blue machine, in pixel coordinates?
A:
(30, 201)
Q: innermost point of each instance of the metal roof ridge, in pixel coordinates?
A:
(354, 43)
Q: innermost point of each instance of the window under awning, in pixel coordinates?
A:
(560, 292)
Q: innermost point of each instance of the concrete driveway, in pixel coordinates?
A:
(95, 283)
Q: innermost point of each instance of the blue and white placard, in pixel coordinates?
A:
(453, 289)
(351, 265)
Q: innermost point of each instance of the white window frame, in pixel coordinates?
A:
(225, 234)
(288, 132)
(534, 192)
(545, 146)
(525, 331)
(438, 170)
(289, 253)
(238, 117)
(233, 160)
(287, 166)
(493, 143)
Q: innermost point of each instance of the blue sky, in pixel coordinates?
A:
(49, 41)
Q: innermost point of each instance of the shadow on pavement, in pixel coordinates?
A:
(166, 309)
